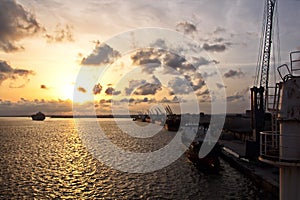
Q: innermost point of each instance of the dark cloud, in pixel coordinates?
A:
(44, 87)
(235, 97)
(220, 85)
(148, 89)
(234, 73)
(112, 91)
(16, 23)
(117, 92)
(97, 89)
(201, 61)
(150, 59)
(174, 60)
(126, 100)
(159, 43)
(101, 55)
(214, 47)
(197, 84)
(81, 89)
(145, 100)
(61, 34)
(196, 81)
(7, 72)
(105, 101)
(143, 87)
(109, 91)
(132, 85)
(186, 27)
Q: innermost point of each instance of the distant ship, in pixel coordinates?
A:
(38, 116)
(210, 163)
(173, 121)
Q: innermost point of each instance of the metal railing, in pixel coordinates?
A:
(269, 145)
(272, 148)
(295, 61)
(286, 72)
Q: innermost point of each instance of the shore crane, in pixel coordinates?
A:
(259, 93)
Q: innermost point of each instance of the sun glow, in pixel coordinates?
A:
(66, 92)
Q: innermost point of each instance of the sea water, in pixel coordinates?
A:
(47, 159)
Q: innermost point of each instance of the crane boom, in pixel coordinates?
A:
(266, 54)
(259, 95)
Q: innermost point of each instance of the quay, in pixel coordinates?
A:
(263, 175)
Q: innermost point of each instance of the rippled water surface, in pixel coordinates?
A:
(47, 160)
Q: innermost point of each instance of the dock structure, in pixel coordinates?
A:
(282, 148)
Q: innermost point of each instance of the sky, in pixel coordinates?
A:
(130, 56)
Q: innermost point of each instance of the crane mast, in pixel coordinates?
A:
(259, 94)
(266, 50)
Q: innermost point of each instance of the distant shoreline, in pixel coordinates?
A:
(78, 116)
(110, 116)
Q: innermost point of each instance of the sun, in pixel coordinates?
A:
(66, 92)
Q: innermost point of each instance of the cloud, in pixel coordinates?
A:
(148, 89)
(97, 89)
(29, 107)
(219, 30)
(105, 101)
(235, 97)
(7, 72)
(195, 81)
(44, 87)
(145, 100)
(234, 73)
(180, 86)
(141, 87)
(220, 85)
(186, 27)
(174, 60)
(151, 59)
(126, 100)
(206, 75)
(16, 23)
(214, 47)
(239, 95)
(159, 43)
(81, 89)
(61, 34)
(205, 92)
(201, 61)
(101, 55)
(112, 91)
(132, 85)
(14, 85)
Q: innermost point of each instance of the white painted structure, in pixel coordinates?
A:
(283, 148)
(289, 119)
